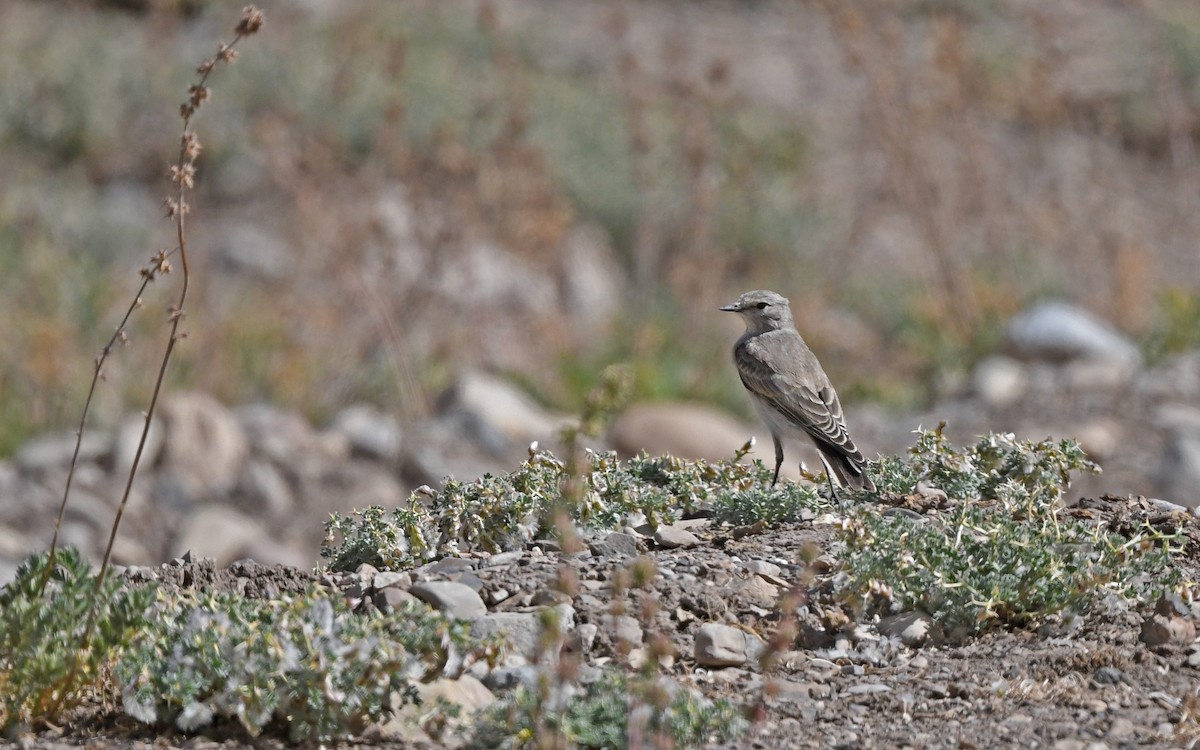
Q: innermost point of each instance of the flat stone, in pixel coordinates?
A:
(617, 545)
(762, 567)
(912, 628)
(388, 579)
(757, 590)
(392, 599)
(522, 630)
(624, 629)
(719, 645)
(671, 537)
(452, 599)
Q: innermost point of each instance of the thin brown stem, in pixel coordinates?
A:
(182, 173)
(149, 273)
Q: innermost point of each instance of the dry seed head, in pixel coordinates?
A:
(183, 174)
(191, 146)
(198, 94)
(252, 21)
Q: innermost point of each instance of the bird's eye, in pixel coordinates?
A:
(761, 305)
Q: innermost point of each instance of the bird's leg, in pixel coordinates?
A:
(778, 457)
(833, 496)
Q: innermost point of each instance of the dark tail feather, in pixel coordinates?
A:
(849, 472)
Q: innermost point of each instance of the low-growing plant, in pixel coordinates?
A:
(496, 513)
(604, 714)
(306, 662)
(1001, 555)
(40, 668)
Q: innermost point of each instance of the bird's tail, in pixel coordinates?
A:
(851, 472)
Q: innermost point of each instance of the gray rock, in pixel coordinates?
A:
(1000, 381)
(912, 628)
(452, 599)
(262, 489)
(1179, 469)
(371, 433)
(522, 630)
(387, 579)
(719, 645)
(202, 442)
(582, 638)
(54, 451)
(391, 599)
(618, 545)
(763, 567)
(125, 444)
(624, 629)
(671, 537)
(498, 413)
(682, 430)
(1059, 332)
(219, 532)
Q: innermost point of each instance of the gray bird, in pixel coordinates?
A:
(790, 390)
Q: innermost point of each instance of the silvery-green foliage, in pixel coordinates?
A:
(305, 661)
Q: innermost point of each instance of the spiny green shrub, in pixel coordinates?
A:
(1001, 554)
(608, 714)
(44, 666)
(306, 662)
(505, 512)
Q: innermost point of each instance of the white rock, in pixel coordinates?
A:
(455, 600)
(912, 628)
(1060, 332)
(203, 442)
(1000, 381)
(670, 537)
(724, 646)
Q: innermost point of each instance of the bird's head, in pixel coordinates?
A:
(762, 310)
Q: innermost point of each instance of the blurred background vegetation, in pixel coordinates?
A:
(392, 191)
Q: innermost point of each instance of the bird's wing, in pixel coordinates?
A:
(788, 377)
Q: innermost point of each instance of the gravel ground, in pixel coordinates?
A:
(1107, 680)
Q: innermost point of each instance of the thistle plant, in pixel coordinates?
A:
(1001, 555)
(307, 662)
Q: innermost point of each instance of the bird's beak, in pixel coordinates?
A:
(731, 308)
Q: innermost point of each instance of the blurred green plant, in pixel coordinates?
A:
(304, 661)
(1176, 328)
(607, 714)
(42, 675)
